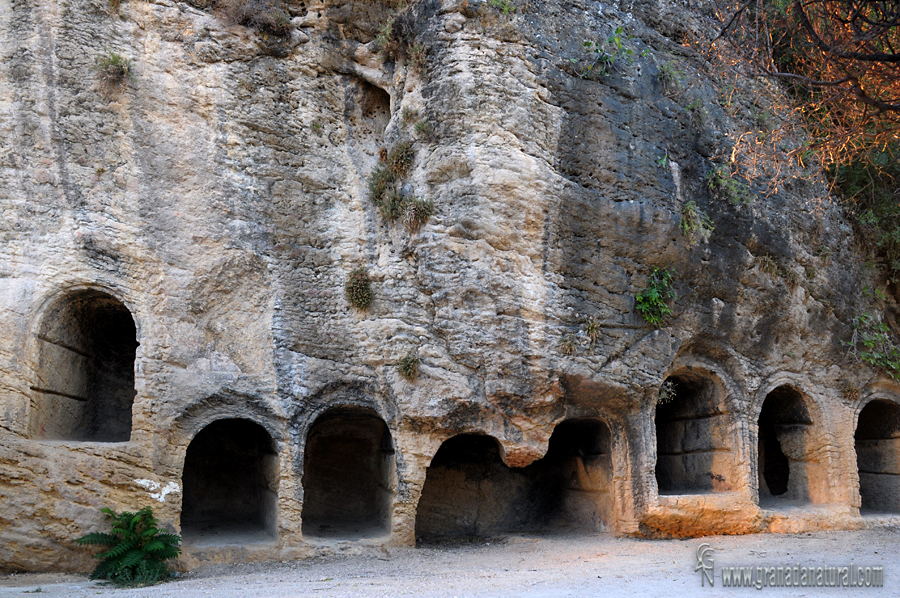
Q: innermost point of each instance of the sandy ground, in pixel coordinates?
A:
(520, 566)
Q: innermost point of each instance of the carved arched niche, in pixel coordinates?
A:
(349, 477)
(469, 491)
(367, 114)
(788, 465)
(230, 484)
(84, 376)
(878, 456)
(693, 436)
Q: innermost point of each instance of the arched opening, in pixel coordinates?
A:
(367, 113)
(470, 492)
(785, 456)
(375, 108)
(84, 385)
(692, 437)
(348, 476)
(230, 482)
(878, 457)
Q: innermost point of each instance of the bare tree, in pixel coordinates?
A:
(840, 60)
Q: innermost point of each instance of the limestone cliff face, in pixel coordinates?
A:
(221, 197)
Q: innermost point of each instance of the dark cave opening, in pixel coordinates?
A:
(348, 476)
(230, 483)
(692, 451)
(878, 457)
(84, 388)
(783, 447)
(469, 491)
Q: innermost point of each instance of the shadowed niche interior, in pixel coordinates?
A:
(84, 385)
(878, 457)
(367, 114)
(692, 455)
(470, 492)
(785, 459)
(229, 484)
(348, 476)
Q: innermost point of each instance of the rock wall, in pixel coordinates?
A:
(220, 195)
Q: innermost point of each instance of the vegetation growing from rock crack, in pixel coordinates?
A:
(653, 302)
(359, 292)
(267, 16)
(113, 71)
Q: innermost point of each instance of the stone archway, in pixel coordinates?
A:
(786, 459)
(693, 444)
(84, 382)
(229, 483)
(348, 475)
(469, 491)
(878, 456)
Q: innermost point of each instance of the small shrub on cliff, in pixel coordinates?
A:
(113, 71)
(381, 181)
(424, 128)
(695, 225)
(868, 185)
(592, 329)
(393, 38)
(416, 212)
(504, 6)
(416, 58)
(395, 164)
(669, 76)
(768, 265)
(723, 184)
(850, 391)
(409, 366)
(137, 550)
(385, 193)
(400, 158)
(391, 48)
(603, 55)
(262, 15)
(409, 115)
(873, 343)
(653, 302)
(392, 205)
(359, 292)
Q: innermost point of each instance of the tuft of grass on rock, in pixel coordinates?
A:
(358, 289)
(400, 158)
(392, 205)
(263, 15)
(416, 212)
(850, 392)
(409, 366)
(113, 72)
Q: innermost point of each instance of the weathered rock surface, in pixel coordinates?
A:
(221, 196)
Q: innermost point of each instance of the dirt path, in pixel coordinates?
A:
(519, 566)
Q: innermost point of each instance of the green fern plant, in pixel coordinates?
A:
(653, 302)
(136, 552)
